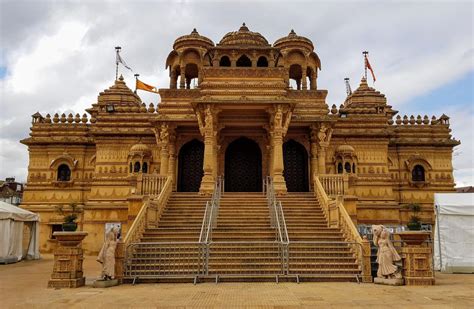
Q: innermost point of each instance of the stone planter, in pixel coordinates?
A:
(68, 257)
(417, 258)
(413, 238)
(69, 226)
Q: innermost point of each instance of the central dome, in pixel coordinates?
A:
(244, 37)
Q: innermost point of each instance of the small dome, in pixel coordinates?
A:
(140, 148)
(244, 37)
(193, 39)
(293, 39)
(344, 148)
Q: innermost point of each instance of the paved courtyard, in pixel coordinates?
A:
(24, 285)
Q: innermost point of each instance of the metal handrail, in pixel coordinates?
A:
(277, 217)
(211, 212)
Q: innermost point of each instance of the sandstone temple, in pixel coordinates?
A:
(241, 155)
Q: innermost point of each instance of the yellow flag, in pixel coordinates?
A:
(142, 86)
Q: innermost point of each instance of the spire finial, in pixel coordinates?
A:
(121, 78)
(244, 27)
(194, 31)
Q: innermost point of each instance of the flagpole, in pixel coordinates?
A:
(136, 79)
(117, 50)
(365, 53)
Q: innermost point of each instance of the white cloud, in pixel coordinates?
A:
(60, 55)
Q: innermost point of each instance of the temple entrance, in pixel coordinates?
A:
(243, 166)
(190, 166)
(296, 167)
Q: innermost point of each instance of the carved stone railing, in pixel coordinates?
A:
(338, 217)
(150, 184)
(149, 213)
(334, 184)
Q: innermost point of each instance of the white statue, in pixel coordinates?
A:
(386, 253)
(107, 254)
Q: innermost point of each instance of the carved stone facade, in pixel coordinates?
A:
(242, 90)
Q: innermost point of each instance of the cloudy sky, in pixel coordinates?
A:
(56, 56)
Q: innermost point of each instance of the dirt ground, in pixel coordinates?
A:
(23, 285)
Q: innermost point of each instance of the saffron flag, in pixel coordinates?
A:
(120, 60)
(368, 66)
(142, 86)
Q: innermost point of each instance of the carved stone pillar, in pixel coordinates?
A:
(322, 160)
(278, 129)
(164, 154)
(182, 80)
(172, 158)
(304, 82)
(207, 183)
(314, 156)
(173, 80)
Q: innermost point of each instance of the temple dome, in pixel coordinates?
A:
(140, 148)
(292, 39)
(244, 37)
(193, 39)
(345, 149)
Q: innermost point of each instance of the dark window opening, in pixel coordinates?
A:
(130, 168)
(339, 168)
(353, 167)
(136, 167)
(262, 62)
(145, 167)
(224, 62)
(347, 167)
(418, 173)
(244, 61)
(64, 173)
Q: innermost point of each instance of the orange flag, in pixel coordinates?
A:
(368, 66)
(142, 86)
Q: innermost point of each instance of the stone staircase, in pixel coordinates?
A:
(331, 259)
(243, 242)
(243, 245)
(180, 222)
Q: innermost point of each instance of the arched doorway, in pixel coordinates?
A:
(243, 166)
(296, 167)
(190, 170)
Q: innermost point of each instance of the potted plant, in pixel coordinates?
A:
(69, 224)
(415, 223)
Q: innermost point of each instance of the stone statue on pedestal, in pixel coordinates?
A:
(386, 253)
(107, 254)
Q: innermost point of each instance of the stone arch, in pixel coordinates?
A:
(262, 62)
(224, 61)
(244, 61)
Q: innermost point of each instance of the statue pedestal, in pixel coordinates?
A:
(106, 283)
(417, 258)
(68, 257)
(388, 281)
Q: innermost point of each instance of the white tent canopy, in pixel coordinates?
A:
(454, 232)
(12, 222)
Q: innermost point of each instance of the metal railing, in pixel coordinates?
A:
(277, 220)
(210, 214)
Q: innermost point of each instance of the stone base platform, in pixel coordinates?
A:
(66, 283)
(105, 283)
(392, 281)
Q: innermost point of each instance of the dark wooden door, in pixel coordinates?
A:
(296, 167)
(190, 169)
(243, 166)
